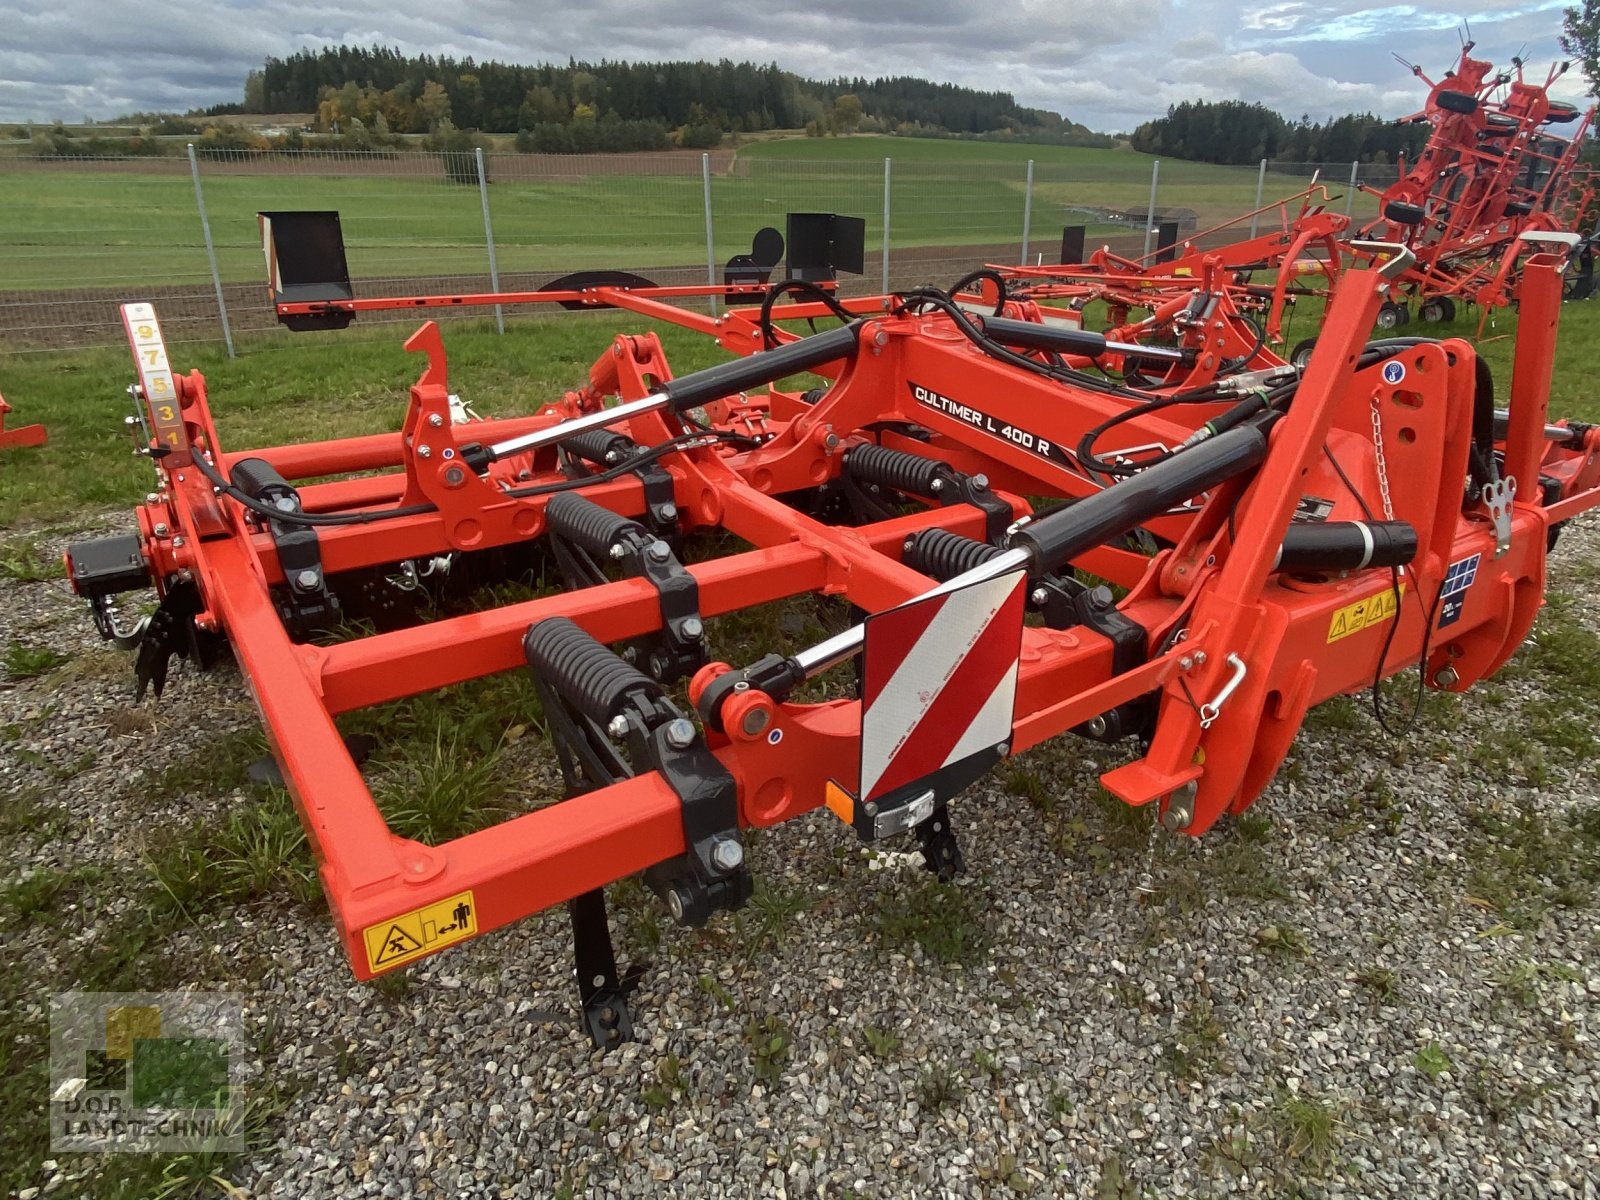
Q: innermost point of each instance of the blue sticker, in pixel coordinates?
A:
(1394, 371)
(1453, 594)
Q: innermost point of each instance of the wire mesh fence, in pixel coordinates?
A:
(85, 235)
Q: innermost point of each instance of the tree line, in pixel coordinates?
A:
(621, 105)
(1236, 133)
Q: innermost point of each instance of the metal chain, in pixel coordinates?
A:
(1383, 465)
(1146, 886)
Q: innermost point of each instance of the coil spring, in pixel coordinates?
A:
(589, 677)
(599, 446)
(896, 469)
(942, 555)
(583, 521)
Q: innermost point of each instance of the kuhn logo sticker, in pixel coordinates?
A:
(1394, 371)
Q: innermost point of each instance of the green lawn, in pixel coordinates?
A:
(71, 227)
(286, 389)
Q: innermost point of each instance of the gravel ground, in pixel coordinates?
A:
(1312, 1002)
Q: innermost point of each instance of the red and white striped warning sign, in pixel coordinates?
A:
(939, 681)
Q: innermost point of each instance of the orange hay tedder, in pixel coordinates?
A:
(1276, 536)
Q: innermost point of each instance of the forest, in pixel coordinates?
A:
(1233, 132)
(585, 106)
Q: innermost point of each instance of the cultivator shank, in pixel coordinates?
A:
(1276, 538)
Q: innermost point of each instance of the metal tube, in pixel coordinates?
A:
(1150, 213)
(1261, 187)
(211, 250)
(840, 646)
(1350, 196)
(1027, 213)
(711, 249)
(887, 175)
(565, 429)
(488, 236)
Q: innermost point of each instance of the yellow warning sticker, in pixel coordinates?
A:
(1374, 610)
(401, 939)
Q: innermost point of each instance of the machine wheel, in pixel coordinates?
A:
(1439, 308)
(1456, 102)
(1301, 354)
(1404, 213)
(1561, 112)
(1518, 208)
(1392, 315)
(1499, 124)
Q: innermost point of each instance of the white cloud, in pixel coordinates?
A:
(1109, 64)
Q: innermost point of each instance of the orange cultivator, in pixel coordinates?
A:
(28, 435)
(1277, 537)
(1494, 185)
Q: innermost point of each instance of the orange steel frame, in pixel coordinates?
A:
(1216, 581)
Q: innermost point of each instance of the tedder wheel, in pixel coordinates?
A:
(1392, 315)
(1518, 208)
(1499, 124)
(1301, 354)
(1561, 112)
(1404, 213)
(1456, 102)
(1439, 308)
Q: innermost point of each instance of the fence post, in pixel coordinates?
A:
(711, 248)
(1150, 213)
(488, 236)
(1261, 186)
(1027, 213)
(1350, 196)
(887, 167)
(211, 250)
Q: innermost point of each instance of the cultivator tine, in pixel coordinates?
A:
(171, 630)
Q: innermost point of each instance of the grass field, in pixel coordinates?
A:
(295, 389)
(79, 227)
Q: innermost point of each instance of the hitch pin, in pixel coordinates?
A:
(1209, 712)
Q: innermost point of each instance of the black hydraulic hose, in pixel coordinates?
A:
(972, 277)
(800, 287)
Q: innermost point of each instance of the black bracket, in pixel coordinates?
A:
(602, 450)
(583, 535)
(872, 474)
(304, 602)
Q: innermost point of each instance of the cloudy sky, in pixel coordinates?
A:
(1107, 63)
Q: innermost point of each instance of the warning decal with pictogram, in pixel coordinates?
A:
(939, 682)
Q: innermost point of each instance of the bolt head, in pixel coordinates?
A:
(727, 854)
(161, 529)
(618, 552)
(667, 512)
(1186, 663)
(618, 727)
(660, 551)
(937, 485)
(1446, 677)
(693, 628)
(1003, 749)
(981, 482)
(680, 733)
(435, 420)
(1039, 595)
(308, 578)
(1199, 658)
(424, 451)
